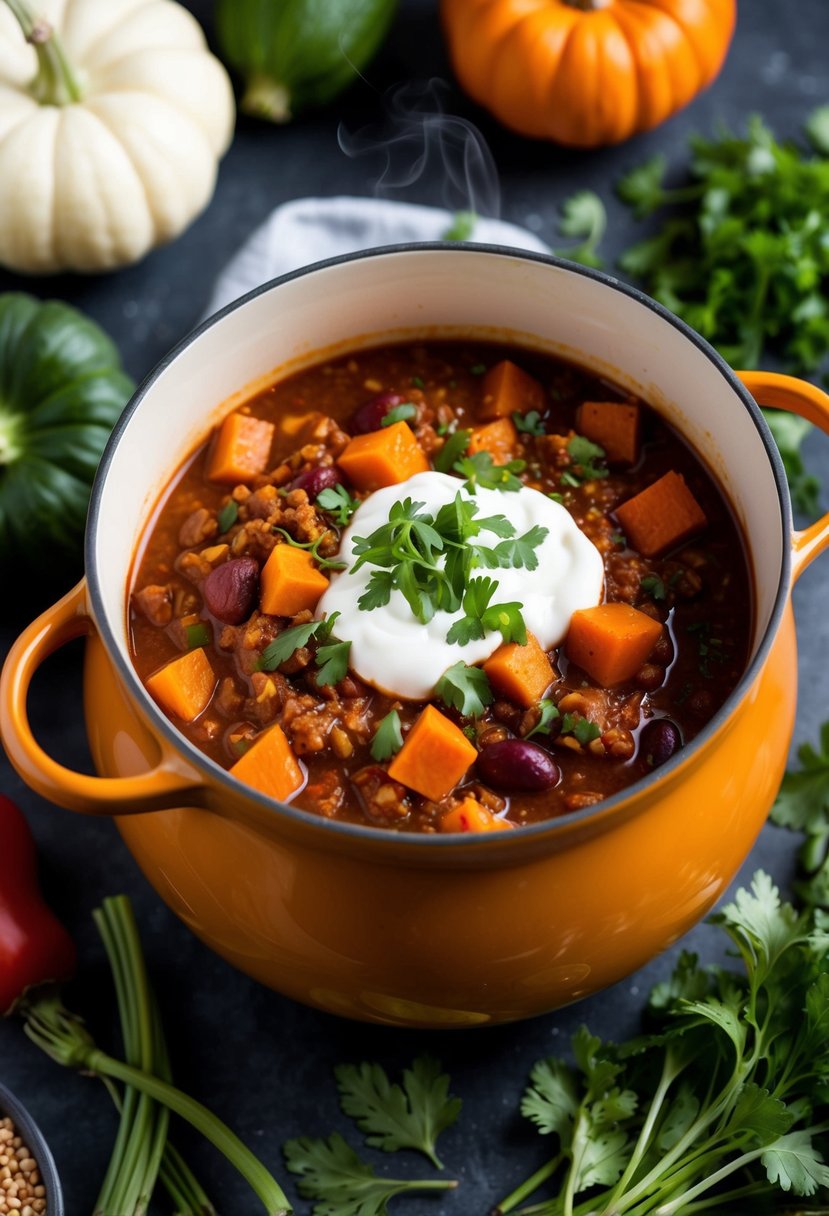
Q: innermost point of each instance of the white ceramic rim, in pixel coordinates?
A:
(329, 829)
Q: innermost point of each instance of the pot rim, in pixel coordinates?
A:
(35, 1140)
(330, 829)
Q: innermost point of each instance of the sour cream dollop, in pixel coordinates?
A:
(394, 652)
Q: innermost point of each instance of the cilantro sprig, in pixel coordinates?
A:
(482, 617)
(400, 413)
(312, 547)
(480, 470)
(588, 462)
(529, 423)
(331, 657)
(802, 804)
(388, 737)
(726, 1099)
(338, 503)
(548, 715)
(465, 689)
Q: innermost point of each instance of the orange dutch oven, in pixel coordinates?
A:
(429, 930)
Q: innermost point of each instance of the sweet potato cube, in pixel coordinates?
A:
(508, 390)
(520, 673)
(434, 757)
(498, 438)
(614, 426)
(611, 642)
(241, 449)
(270, 766)
(470, 816)
(290, 582)
(184, 686)
(662, 516)
(383, 458)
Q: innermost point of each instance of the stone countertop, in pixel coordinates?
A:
(261, 1061)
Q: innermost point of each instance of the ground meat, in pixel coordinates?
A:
(254, 539)
(327, 792)
(197, 528)
(307, 722)
(385, 802)
(156, 603)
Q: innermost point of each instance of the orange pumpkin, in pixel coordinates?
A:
(586, 72)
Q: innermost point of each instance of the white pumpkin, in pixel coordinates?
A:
(95, 182)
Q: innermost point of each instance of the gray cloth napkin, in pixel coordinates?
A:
(311, 229)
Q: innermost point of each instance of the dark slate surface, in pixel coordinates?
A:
(262, 1061)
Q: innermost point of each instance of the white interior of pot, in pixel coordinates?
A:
(445, 293)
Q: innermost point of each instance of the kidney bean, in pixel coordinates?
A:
(230, 591)
(658, 741)
(515, 764)
(369, 417)
(325, 477)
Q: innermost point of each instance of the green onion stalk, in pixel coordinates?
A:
(142, 1153)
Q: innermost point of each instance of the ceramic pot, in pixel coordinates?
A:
(430, 930)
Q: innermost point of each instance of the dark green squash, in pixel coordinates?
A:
(61, 391)
(296, 54)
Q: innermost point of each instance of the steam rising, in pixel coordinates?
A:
(417, 139)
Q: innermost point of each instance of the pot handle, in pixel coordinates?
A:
(162, 787)
(781, 392)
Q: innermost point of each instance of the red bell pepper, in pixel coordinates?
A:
(34, 946)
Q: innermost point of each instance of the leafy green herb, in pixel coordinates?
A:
(529, 423)
(388, 737)
(332, 662)
(803, 805)
(583, 215)
(725, 1101)
(582, 729)
(331, 1173)
(587, 460)
(556, 497)
(549, 715)
(197, 635)
(312, 547)
(227, 516)
(462, 226)
(452, 450)
(395, 1117)
(289, 640)
(481, 470)
(482, 617)
(653, 586)
(442, 428)
(400, 413)
(338, 503)
(518, 552)
(465, 689)
(710, 649)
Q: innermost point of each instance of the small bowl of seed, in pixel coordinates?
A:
(29, 1184)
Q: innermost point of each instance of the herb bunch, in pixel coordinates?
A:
(727, 1099)
(803, 805)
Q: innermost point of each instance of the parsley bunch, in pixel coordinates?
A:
(429, 559)
(803, 805)
(727, 1099)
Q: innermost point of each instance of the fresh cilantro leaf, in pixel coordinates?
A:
(400, 413)
(197, 635)
(332, 662)
(549, 714)
(587, 459)
(481, 470)
(338, 503)
(290, 640)
(475, 602)
(452, 450)
(332, 1174)
(794, 1163)
(552, 1099)
(378, 590)
(506, 619)
(583, 215)
(227, 516)
(465, 689)
(312, 547)
(582, 729)
(388, 737)
(462, 226)
(642, 188)
(517, 553)
(529, 423)
(653, 586)
(817, 128)
(395, 1117)
(802, 804)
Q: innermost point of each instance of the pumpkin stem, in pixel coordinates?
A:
(11, 448)
(266, 98)
(55, 83)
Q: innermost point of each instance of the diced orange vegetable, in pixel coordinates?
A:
(185, 686)
(270, 766)
(241, 449)
(290, 582)
(470, 816)
(383, 458)
(662, 516)
(611, 642)
(520, 673)
(509, 390)
(434, 757)
(614, 425)
(498, 438)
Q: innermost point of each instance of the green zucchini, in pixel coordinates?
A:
(296, 54)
